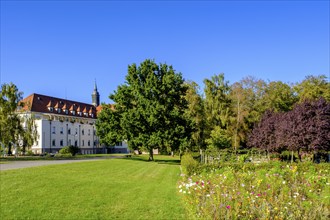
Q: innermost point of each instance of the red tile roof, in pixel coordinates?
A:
(42, 103)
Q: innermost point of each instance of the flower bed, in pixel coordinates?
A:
(272, 190)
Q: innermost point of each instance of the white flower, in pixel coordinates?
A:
(283, 182)
(208, 195)
(242, 185)
(180, 186)
(180, 190)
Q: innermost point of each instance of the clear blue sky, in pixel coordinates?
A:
(58, 48)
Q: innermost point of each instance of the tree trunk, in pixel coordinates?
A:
(299, 155)
(292, 156)
(151, 154)
(268, 155)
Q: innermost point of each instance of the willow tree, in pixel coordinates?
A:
(150, 107)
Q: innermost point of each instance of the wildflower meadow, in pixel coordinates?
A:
(269, 190)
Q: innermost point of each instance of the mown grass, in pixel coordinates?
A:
(105, 189)
(60, 157)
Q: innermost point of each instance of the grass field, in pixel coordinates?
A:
(106, 189)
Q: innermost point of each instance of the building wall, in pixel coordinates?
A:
(57, 132)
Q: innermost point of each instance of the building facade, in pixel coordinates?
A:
(62, 122)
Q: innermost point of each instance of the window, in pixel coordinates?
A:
(76, 130)
(69, 131)
(66, 111)
(53, 142)
(82, 132)
(119, 144)
(89, 143)
(83, 143)
(94, 143)
(69, 143)
(61, 142)
(50, 109)
(94, 132)
(61, 130)
(53, 129)
(73, 113)
(58, 110)
(89, 131)
(76, 143)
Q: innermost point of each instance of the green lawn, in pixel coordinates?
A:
(105, 189)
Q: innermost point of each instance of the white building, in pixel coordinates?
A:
(62, 122)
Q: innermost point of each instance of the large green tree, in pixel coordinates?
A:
(279, 97)
(16, 126)
(150, 109)
(10, 123)
(217, 111)
(195, 112)
(313, 88)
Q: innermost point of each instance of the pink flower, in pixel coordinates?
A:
(259, 194)
(228, 206)
(197, 182)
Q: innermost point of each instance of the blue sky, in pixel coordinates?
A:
(58, 48)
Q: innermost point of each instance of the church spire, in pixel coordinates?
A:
(95, 96)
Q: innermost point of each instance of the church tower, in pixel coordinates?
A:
(95, 96)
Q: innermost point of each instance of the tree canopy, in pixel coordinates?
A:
(149, 111)
(15, 129)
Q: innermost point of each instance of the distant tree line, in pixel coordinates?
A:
(157, 108)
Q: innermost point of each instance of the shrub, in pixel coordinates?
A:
(188, 164)
(29, 153)
(70, 150)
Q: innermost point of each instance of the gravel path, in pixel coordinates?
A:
(24, 164)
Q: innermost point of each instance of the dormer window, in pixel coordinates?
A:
(66, 111)
(86, 114)
(58, 110)
(73, 112)
(51, 109)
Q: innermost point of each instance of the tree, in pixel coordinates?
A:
(279, 97)
(217, 109)
(29, 133)
(312, 88)
(150, 107)
(10, 123)
(263, 134)
(195, 112)
(305, 128)
(253, 93)
(16, 126)
(108, 125)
